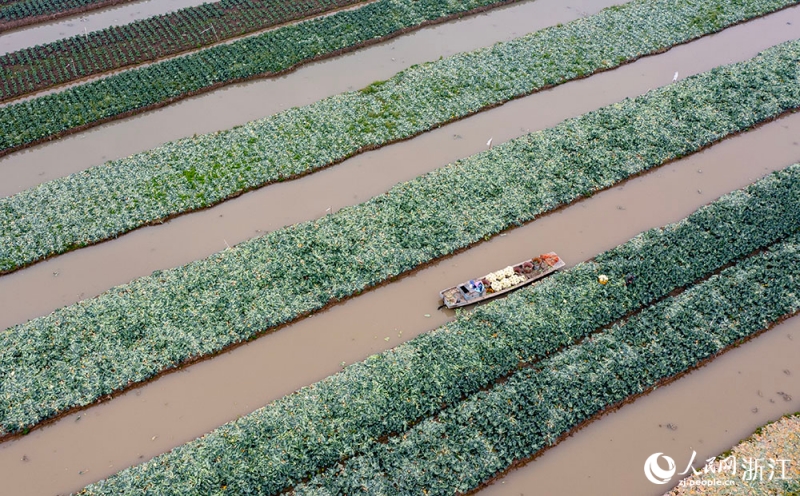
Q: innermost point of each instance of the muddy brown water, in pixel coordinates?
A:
(237, 104)
(89, 445)
(707, 412)
(241, 103)
(66, 279)
(87, 22)
(63, 87)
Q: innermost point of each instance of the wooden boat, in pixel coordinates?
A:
(501, 281)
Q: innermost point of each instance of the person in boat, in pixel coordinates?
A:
(476, 287)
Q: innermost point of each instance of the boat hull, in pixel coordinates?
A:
(460, 296)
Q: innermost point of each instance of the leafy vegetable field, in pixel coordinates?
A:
(14, 14)
(549, 57)
(472, 441)
(106, 201)
(67, 59)
(132, 91)
(451, 409)
(392, 390)
(82, 352)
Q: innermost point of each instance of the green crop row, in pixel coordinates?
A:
(67, 59)
(469, 443)
(82, 352)
(341, 415)
(105, 201)
(14, 14)
(147, 87)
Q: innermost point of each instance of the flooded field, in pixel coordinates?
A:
(39, 34)
(89, 445)
(706, 411)
(85, 273)
(237, 104)
(240, 103)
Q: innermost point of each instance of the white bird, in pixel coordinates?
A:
(675, 77)
(489, 143)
